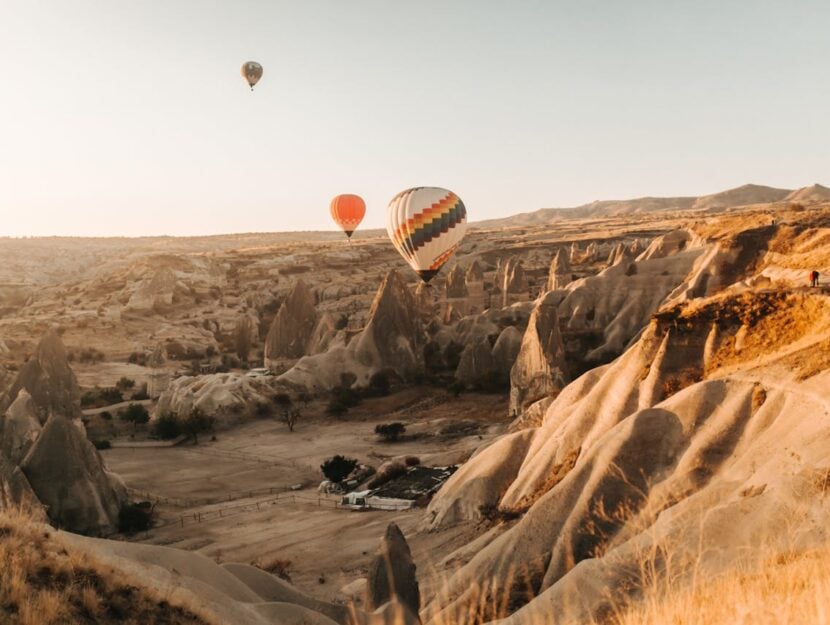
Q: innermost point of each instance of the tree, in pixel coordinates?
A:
(290, 414)
(291, 418)
(197, 422)
(338, 468)
(135, 414)
(304, 397)
(167, 426)
(390, 432)
(124, 384)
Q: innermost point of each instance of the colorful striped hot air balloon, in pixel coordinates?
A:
(347, 210)
(426, 225)
(251, 71)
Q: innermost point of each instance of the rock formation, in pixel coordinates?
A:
(292, 327)
(54, 464)
(456, 287)
(159, 379)
(68, 476)
(515, 287)
(506, 350)
(476, 363)
(475, 274)
(575, 254)
(19, 428)
(50, 381)
(155, 293)
(559, 274)
(392, 574)
(696, 453)
(393, 337)
(225, 395)
(539, 371)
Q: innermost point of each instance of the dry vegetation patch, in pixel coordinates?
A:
(46, 582)
(787, 588)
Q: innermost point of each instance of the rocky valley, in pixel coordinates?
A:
(586, 410)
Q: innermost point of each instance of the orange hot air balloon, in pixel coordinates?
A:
(347, 210)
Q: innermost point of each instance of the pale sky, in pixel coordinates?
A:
(129, 117)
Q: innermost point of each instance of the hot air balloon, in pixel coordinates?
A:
(251, 71)
(347, 210)
(426, 225)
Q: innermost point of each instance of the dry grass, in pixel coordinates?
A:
(787, 589)
(46, 582)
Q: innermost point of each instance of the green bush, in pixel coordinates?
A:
(167, 426)
(338, 468)
(135, 517)
(125, 384)
(390, 432)
(135, 414)
(379, 384)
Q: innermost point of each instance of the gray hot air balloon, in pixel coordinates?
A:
(251, 72)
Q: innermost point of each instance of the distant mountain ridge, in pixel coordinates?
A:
(745, 195)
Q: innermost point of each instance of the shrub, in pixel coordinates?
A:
(137, 358)
(338, 468)
(125, 384)
(111, 395)
(379, 384)
(106, 415)
(167, 426)
(277, 566)
(412, 461)
(135, 517)
(101, 397)
(456, 387)
(343, 397)
(104, 444)
(197, 423)
(135, 414)
(342, 322)
(390, 432)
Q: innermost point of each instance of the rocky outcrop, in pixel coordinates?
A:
(292, 327)
(50, 381)
(68, 476)
(475, 274)
(393, 337)
(155, 293)
(539, 371)
(575, 254)
(159, 379)
(506, 350)
(392, 574)
(559, 274)
(456, 283)
(476, 364)
(227, 396)
(324, 335)
(19, 428)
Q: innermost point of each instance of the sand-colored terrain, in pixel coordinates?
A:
(656, 400)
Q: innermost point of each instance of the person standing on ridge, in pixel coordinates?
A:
(814, 278)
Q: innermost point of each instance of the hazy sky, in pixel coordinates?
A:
(130, 117)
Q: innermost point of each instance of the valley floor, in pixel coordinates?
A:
(231, 499)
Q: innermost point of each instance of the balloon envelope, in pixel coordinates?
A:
(251, 71)
(348, 210)
(426, 225)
